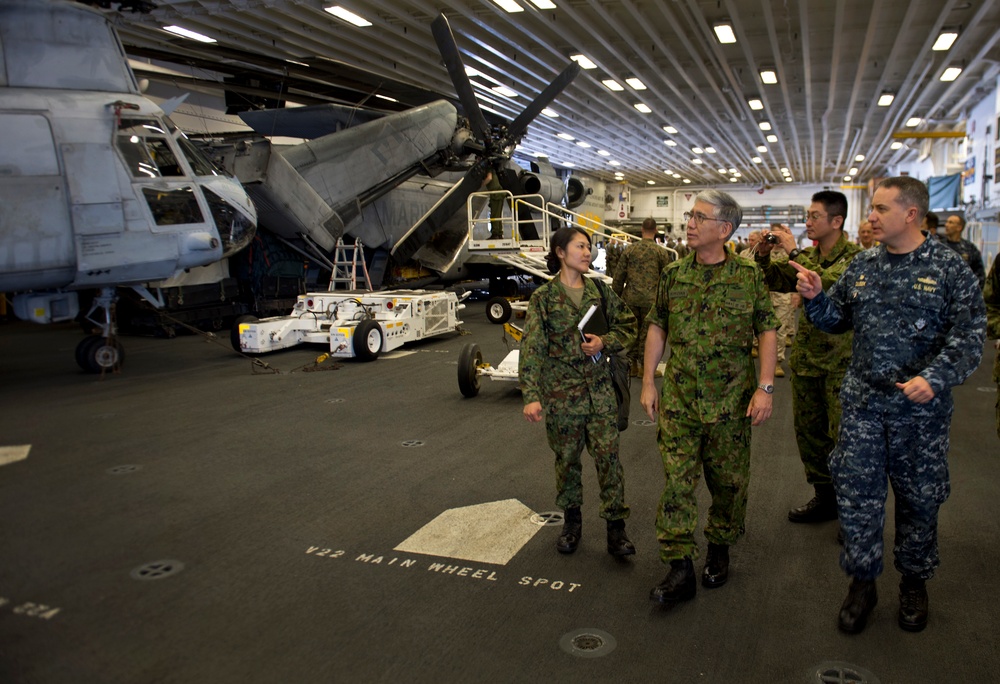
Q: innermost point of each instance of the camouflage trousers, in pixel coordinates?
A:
(783, 309)
(723, 450)
(816, 411)
(910, 453)
(567, 435)
(638, 348)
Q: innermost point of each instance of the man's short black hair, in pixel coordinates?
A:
(834, 202)
(932, 220)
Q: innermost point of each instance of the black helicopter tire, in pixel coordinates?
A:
(498, 310)
(234, 331)
(95, 354)
(368, 340)
(469, 360)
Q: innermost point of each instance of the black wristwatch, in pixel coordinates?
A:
(794, 253)
(769, 389)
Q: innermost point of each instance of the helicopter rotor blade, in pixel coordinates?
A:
(544, 99)
(445, 40)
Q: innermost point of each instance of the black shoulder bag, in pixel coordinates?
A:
(619, 372)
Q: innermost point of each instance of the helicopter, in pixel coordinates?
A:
(100, 189)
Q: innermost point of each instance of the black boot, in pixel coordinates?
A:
(862, 598)
(619, 544)
(571, 531)
(716, 566)
(912, 603)
(678, 585)
(820, 508)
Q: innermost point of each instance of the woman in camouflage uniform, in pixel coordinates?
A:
(559, 377)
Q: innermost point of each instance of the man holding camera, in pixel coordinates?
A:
(818, 360)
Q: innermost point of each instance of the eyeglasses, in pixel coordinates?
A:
(699, 218)
(816, 216)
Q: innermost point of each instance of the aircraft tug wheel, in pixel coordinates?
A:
(469, 360)
(234, 331)
(367, 340)
(498, 310)
(96, 355)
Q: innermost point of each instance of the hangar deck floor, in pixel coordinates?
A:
(285, 497)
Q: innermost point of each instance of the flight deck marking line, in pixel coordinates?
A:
(13, 454)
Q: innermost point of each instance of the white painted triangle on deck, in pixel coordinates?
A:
(13, 454)
(484, 533)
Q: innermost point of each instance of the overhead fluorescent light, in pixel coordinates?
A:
(181, 31)
(642, 108)
(670, 129)
(695, 160)
(885, 99)
(853, 171)
(668, 172)
(612, 84)
(896, 145)
(737, 174)
(565, 136)
(509, 6)
(724, 32)
(764, 126)
(788, 179)
(686, 180)
(551, 113)
(569, 164)
(582, 144)
(859, 158)
(348, 16)
(635, 83)
(604, 153)
(734, 172)
(722, 171)
(543, 4)
(710, 150)
(583, 61)
(945, 40)
(697, 150)
(772, 138)
(386, 97)
(762, 148)
(615, 163)
(848, 179)
(755, 104)
(950, 74)
(768, 76)
(756, 160)
(649, 182)
(503, 90)
(733, 180)
(670, 143)
(913, 121)
(676, 175)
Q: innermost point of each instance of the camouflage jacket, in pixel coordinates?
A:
(638, 272)
(711, 315)
(971, 255)
(553, 368)
(814, 353)
(921, 316)
(612, 253)
(991, 293)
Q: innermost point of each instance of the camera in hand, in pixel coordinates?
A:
(772, 238)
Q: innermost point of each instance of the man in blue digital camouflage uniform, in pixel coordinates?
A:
(919, 327)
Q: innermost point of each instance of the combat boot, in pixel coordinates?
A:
(571, 531)
(619, 544)
(678, 585)
(820, 508)
(637, 369)
(862, 598)
(716, 566)
(912, 603)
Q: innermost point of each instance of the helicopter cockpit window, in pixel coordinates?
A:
(173, 207)
(143, 144)
(200, 164)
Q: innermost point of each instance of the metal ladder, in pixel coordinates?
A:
(346, 263)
